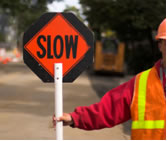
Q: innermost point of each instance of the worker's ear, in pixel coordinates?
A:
(160, 42)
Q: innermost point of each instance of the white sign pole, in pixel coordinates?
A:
(58, 77)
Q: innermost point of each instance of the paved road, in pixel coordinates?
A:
(27, 104)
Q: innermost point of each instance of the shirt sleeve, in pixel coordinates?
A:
(113, 109)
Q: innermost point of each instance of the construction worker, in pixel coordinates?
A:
(142, 99)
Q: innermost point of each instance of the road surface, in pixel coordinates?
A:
(27, 104)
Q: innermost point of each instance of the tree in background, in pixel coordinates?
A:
(134, 22)
(22, 13)
(74, 10)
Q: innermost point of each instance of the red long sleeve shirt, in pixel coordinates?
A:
(113, 109)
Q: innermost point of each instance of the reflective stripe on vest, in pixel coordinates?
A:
(148, 124)
(141, 123)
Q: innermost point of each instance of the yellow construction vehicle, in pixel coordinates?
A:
(109, 56)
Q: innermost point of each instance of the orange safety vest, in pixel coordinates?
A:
(148, 108)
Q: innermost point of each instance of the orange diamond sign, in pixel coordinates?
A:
(58, 38)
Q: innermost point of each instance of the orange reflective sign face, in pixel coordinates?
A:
(57, 42)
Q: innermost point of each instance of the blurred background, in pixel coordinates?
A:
(124, 45)
(132, 22)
